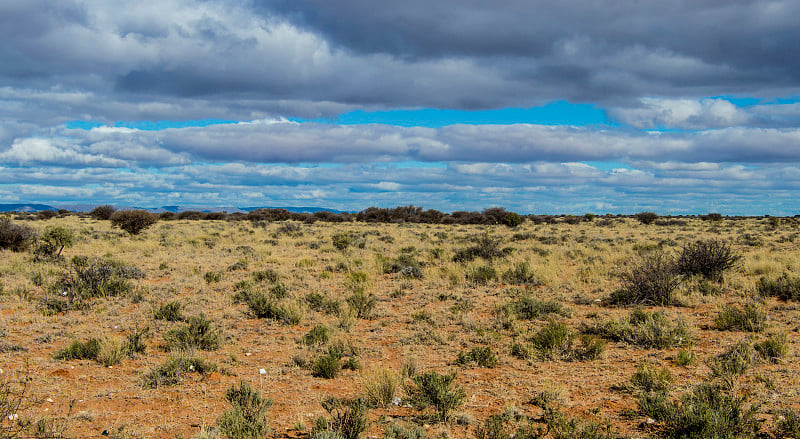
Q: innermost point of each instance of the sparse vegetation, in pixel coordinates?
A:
(435, 390)
(247, 417)
(649, 280)
(133, 221)
(709, 259)
(15, 237)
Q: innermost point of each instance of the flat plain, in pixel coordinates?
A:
(303, 313)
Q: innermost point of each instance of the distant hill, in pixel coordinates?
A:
(34, 207)
(25, 207)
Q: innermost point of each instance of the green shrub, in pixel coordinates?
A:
(247, 417)
(89, 278)
(556, 341)
(171, 372)
(521, 274)
(649, 330)
(79, 350)
(398, 431)
(320, 303)
(15, 237)
(361, 304)
(529, 308)
(487, 248)
(135, 341)
(53, 242)
(773, 348)
(650, 379)
(133, 221)
(268, 275)
(326, 366)
(706, 413)
(482, 275)
(263, 307)
(279, 291)
(751, 318)
(709, 259)
(199, 333)
(212, 276)
(170, 312)
(348, 417)
(341, 241)
(439, 391)
(784, 287)
(650, 280)
(318, 335)
(685, 358)
(788, 424)
(482, 356)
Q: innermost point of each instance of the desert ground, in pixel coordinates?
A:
(303, 313)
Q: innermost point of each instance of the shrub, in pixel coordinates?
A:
(171, 371)
(735, 361)
(482, 275)
(685, 358)
(326, 366)
(15, 237)
(170, 312)
(482, 356)
(112, 351)
(318, 335)
(133, 221)
(709, 259)
(650, 280)
(268, 275)
(439, 391)
(212, 276)
(264, 307)
(706, 413)
(247, 417)
(398, 431)
(649, 379)
(341, 241)
(773, 348)
(380, 386)
(646, 217)
(521, 274)
(79, 350)
(199, 333)
(486, 247)
(646, 330)
(751, 318)
(348, 416)
(554, 341)
(529, 308)
(107, 351)
(784, 288)
(88, 279)
(361, 304)
(102, 212)
(53, 242)
(788, 424)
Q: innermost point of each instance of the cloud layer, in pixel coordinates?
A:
(701, 100)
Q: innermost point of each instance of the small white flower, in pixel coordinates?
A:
(262, 371)
(63, 293)
(397, 401)
(13, 417)
(191, 368)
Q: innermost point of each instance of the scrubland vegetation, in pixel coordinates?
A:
(398, 323)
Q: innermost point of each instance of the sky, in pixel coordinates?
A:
(567, 106)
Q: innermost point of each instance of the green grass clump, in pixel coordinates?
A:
(649, 330)
(521, 274)
(650, 379)
(171, 372)
(247, 417)
(750, 318)
(318, 335)
(557, 341)
(482, 356)
(348, 418)
(327, 366)
(482, 275)
(784, 287)
(170, 312)
(529, 308)
(79, 350)
(773, 348)
(107, 351)
(361, 304)
(199, 333)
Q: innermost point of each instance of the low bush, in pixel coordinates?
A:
(102, 212)
(650, 280)
(171, 372)
(107, 351)
(52, 243)
(530, 308)
(709, 259)
(521, 274)
(482, 356)
(773, 348)
(268, 275)
(788, 425)
(212, 276)
(133, 221)
(247, 417)
(348, 417)
(784, 287)
(170, 312)
(750, 318)
(556, 341)
(89, 278)
(15, 237)
(327, 366)
(361, 304)
(735, 361)
(707, 412)
(436, 390)
(398, 431)
(486, 247)
(318, 335)
(650, 379)
(482, 275)
(646, 217)
(649, 330)
(199, 333)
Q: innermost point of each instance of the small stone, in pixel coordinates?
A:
(247, 354)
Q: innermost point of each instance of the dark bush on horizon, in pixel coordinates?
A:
(133, 221)
(102, 212)
(646, 217)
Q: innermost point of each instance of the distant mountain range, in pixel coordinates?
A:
(34, 207)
